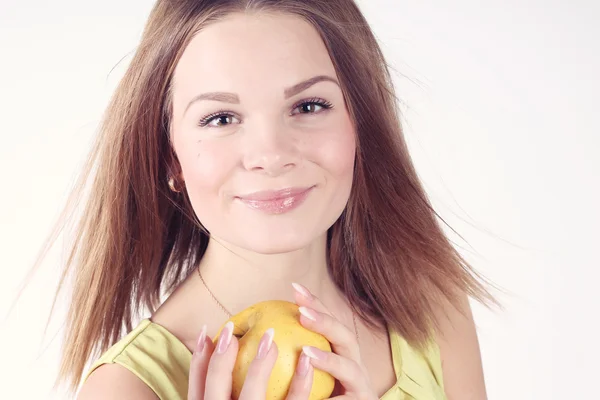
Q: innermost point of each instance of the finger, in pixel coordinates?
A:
(220, 367)
(259, 371)
(347, 371)
(341, 338)
(304, 297)
(199, 366)
(302, 380)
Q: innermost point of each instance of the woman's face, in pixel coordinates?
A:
(266, 163)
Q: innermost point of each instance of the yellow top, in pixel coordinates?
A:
(160, 360)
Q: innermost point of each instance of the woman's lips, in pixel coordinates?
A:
(276, 201)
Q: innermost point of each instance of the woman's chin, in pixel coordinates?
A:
(273, 247)
(275, 244)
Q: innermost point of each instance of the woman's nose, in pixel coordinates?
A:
(272, 151)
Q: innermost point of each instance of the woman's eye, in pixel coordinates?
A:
(216, 120)
(312, 106)
(224, 118)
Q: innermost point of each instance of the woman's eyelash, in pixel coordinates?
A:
(224, 113)
(315, 100)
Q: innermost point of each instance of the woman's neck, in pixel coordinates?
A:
(240, 278)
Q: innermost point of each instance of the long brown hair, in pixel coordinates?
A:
(137, 240)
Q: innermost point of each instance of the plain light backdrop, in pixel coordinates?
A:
(500, 104)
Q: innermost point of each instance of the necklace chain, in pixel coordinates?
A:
(229, 314)
(213, 296)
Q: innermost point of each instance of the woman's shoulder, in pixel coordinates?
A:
(111, 381)
(149, 355)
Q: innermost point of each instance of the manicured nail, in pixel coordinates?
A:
(313, 352)
(308, 313)
(302, 290)
(201, 340)
(303, 365)
(265, 343)
(225, 338)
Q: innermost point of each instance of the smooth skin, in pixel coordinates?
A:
(210, 371)
(344, 363)
(212, 366)
(267, 140)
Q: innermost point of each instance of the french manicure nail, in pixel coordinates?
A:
(225, 338)
(303, 365)
(302, 290)
(313, 353)
(265, 343)
(201, 340)
(308, 313)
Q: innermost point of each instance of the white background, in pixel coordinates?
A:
(501, 116)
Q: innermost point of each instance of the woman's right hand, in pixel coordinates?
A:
(211, 369)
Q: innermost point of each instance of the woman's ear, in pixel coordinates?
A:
(174, 173)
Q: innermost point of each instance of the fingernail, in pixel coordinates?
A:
(265, 343)
(308, 313)
(225, 338)
(302, 290)
(313, 352)
(201, 340)
(303, 365)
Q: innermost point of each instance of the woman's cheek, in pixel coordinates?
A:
(208, 165)
(336, 151)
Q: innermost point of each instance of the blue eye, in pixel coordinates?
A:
(224, 117)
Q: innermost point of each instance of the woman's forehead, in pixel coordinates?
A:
(252, 51)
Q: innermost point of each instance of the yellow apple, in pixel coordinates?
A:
(283, 316)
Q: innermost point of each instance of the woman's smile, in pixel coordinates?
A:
(276, 201)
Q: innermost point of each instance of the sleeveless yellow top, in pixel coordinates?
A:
(162, 362)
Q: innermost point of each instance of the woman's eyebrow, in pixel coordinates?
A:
(233, 98)
(299, 87)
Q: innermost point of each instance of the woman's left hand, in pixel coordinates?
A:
(344, 363)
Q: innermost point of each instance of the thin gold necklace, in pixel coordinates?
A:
(229, 314)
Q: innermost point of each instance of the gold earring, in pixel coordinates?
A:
(172, 185)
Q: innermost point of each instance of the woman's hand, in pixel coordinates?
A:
(211, 369)
(344, 363)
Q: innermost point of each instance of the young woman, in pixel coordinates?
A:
(252, 145)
